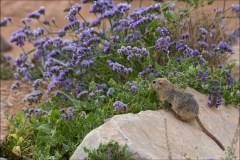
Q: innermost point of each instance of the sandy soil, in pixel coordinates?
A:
(20, 9)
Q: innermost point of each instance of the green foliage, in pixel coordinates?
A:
(49, 136)
(111, 151)
(6, 68)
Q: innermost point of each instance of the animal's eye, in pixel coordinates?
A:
(154, 82)
(160, 83)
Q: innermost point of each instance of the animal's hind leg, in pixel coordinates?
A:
(178, 117)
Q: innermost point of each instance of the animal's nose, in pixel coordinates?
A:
(154, 82)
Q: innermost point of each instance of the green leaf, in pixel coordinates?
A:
(147, 41)
(90, 117)
(154, 24)
(44, 128)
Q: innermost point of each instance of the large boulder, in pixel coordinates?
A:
(145, 133)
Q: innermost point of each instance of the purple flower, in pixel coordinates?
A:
(33, 97)
(220, 66)
(37, 83)
(236, 8)
(46, 22)
(214, 96)
(203, 78)
(9, 19)
(3, 22)
(203, 31)
(118, 67)
(181, 13)
(27, 115)
(133, 89)
(87, 63)
(172, 6)
(185, 36)
(16, 75)
(41, 10)
(133, 52)
(71, 26)
(15, 85)
(34, 15)
(178, 59)
(102, 97)
(118, 105)
(31, 110)
(229, 78)
(219, 10)
(202, 44)
(224, 47)
(44, 112)
(106, 120)
(91, 95)
(62, 110)
(18, 38)
(110, 91)
(82, 93)
(162, 44)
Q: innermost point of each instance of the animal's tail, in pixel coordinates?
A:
(209, 134)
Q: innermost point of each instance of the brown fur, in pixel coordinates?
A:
(183, 104)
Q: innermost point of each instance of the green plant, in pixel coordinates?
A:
(111, 151)
(5, 67)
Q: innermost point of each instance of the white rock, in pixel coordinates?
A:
(145, 133)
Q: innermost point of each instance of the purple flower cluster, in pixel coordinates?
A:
(119, 67)
(73, 25)
(174, 73)
(203, 33)
(229, 78)
(39, 32)
(34, 15)
(118, 106)
(106, 120)
(202, 76)
(36, 83)
(133, 88)
(33, 97)
(15, 85)
(3, 22)
(236, 8)
(110, 91)
(35, 112)
(185, 36)
(150, 70)
(162, 44)
(18, 38)
(100, 6)
(71, 16)
(163, 31)
(223, 47)
(82, 93)
(214, 97)
(67, 114)
(133, 52)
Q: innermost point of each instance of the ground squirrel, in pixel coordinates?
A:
(183, 104)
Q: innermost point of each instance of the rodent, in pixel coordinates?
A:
(183, 104)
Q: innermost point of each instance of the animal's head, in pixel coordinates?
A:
(159, 84)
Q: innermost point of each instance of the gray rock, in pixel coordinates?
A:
(4, 45)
